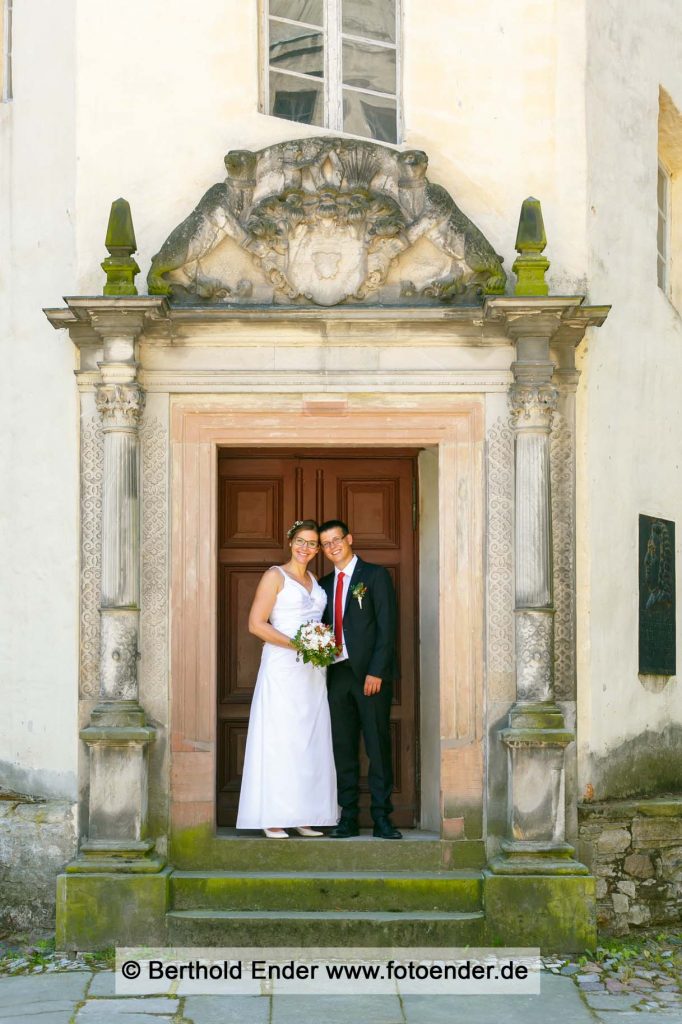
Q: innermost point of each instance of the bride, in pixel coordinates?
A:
(289, 777)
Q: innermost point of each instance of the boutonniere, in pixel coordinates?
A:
(358, 592)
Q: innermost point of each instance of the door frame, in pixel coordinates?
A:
(453, 425)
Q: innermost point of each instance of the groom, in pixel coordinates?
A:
(361, 607)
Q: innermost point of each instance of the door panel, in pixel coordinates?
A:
(260, 495)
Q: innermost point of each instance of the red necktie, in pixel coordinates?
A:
(338, 610)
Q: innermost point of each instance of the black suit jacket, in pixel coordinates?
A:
(370, 630)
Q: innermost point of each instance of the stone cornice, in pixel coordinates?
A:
(501, 321)
(559, 319)
(92, 319)
(150, 318)
(84, 307)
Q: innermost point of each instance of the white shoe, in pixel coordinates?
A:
(308, 832)
(276, 833)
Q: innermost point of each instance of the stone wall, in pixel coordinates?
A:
(37, 838)
(634, 848)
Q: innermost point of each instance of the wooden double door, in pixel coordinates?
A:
(261, 493)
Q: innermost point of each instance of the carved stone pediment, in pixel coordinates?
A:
(326, 221)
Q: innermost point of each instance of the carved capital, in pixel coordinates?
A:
(532, 405)
(120, 405)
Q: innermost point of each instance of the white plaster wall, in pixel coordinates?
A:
(38, 418)
(630, 448)
(492, 92)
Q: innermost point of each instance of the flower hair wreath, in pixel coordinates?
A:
(293, 528)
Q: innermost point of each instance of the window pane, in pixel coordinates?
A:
(371, 116)
(368, 67)
(297, 99)
(6, 58)
(662, 189)
(298, 10)
(296, 48)
(662, 237)
(373, 18)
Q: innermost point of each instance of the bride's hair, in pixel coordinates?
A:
(302, 524)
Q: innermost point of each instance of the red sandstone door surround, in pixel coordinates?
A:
(451, 426)
(260, 493)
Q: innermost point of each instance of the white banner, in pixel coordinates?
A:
(327, 971)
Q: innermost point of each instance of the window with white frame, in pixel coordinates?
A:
(6, 53)
(663, 234)
(334, 63)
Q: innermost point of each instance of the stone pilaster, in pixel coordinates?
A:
(118, 735)
(536, 735)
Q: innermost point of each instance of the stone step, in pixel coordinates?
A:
(418, 851)
(323, 928)
(327, 890)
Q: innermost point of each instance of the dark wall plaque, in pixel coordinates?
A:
(656, 596)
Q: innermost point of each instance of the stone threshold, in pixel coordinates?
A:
(409, 835)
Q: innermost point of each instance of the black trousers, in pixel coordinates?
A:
(353, 713)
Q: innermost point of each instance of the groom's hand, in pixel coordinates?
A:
(372, 685)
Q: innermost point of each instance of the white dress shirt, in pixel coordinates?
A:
(347, 573)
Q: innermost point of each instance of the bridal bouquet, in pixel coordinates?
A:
(315, 643)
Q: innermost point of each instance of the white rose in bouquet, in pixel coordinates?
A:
(315, 644)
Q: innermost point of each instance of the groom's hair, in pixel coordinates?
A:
(331, 523)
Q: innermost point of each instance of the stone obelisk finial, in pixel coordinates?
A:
(119, 266)
(530, 265)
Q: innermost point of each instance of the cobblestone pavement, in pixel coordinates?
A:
(626, 981)
(640, 975)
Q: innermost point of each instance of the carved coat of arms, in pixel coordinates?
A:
(323, 220)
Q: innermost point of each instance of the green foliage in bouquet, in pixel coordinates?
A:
(315, 644)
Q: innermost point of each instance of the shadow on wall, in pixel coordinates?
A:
(646, 765)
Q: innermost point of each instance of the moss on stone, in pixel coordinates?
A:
(98, 910)
(530, 235)
(119, 266)
(192, 847)
(553, 912)
(198, 848)
(311, 892)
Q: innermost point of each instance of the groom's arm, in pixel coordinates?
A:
(381, 661)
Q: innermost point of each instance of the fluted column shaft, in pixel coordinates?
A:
(120, 407)
(120, 519)
(532, 405)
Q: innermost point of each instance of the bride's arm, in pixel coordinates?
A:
(261, 609)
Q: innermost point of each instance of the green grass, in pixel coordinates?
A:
(20, 956)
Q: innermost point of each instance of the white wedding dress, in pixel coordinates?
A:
(289, 777)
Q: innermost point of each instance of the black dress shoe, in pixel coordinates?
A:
(383, 829)
(346, 829)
